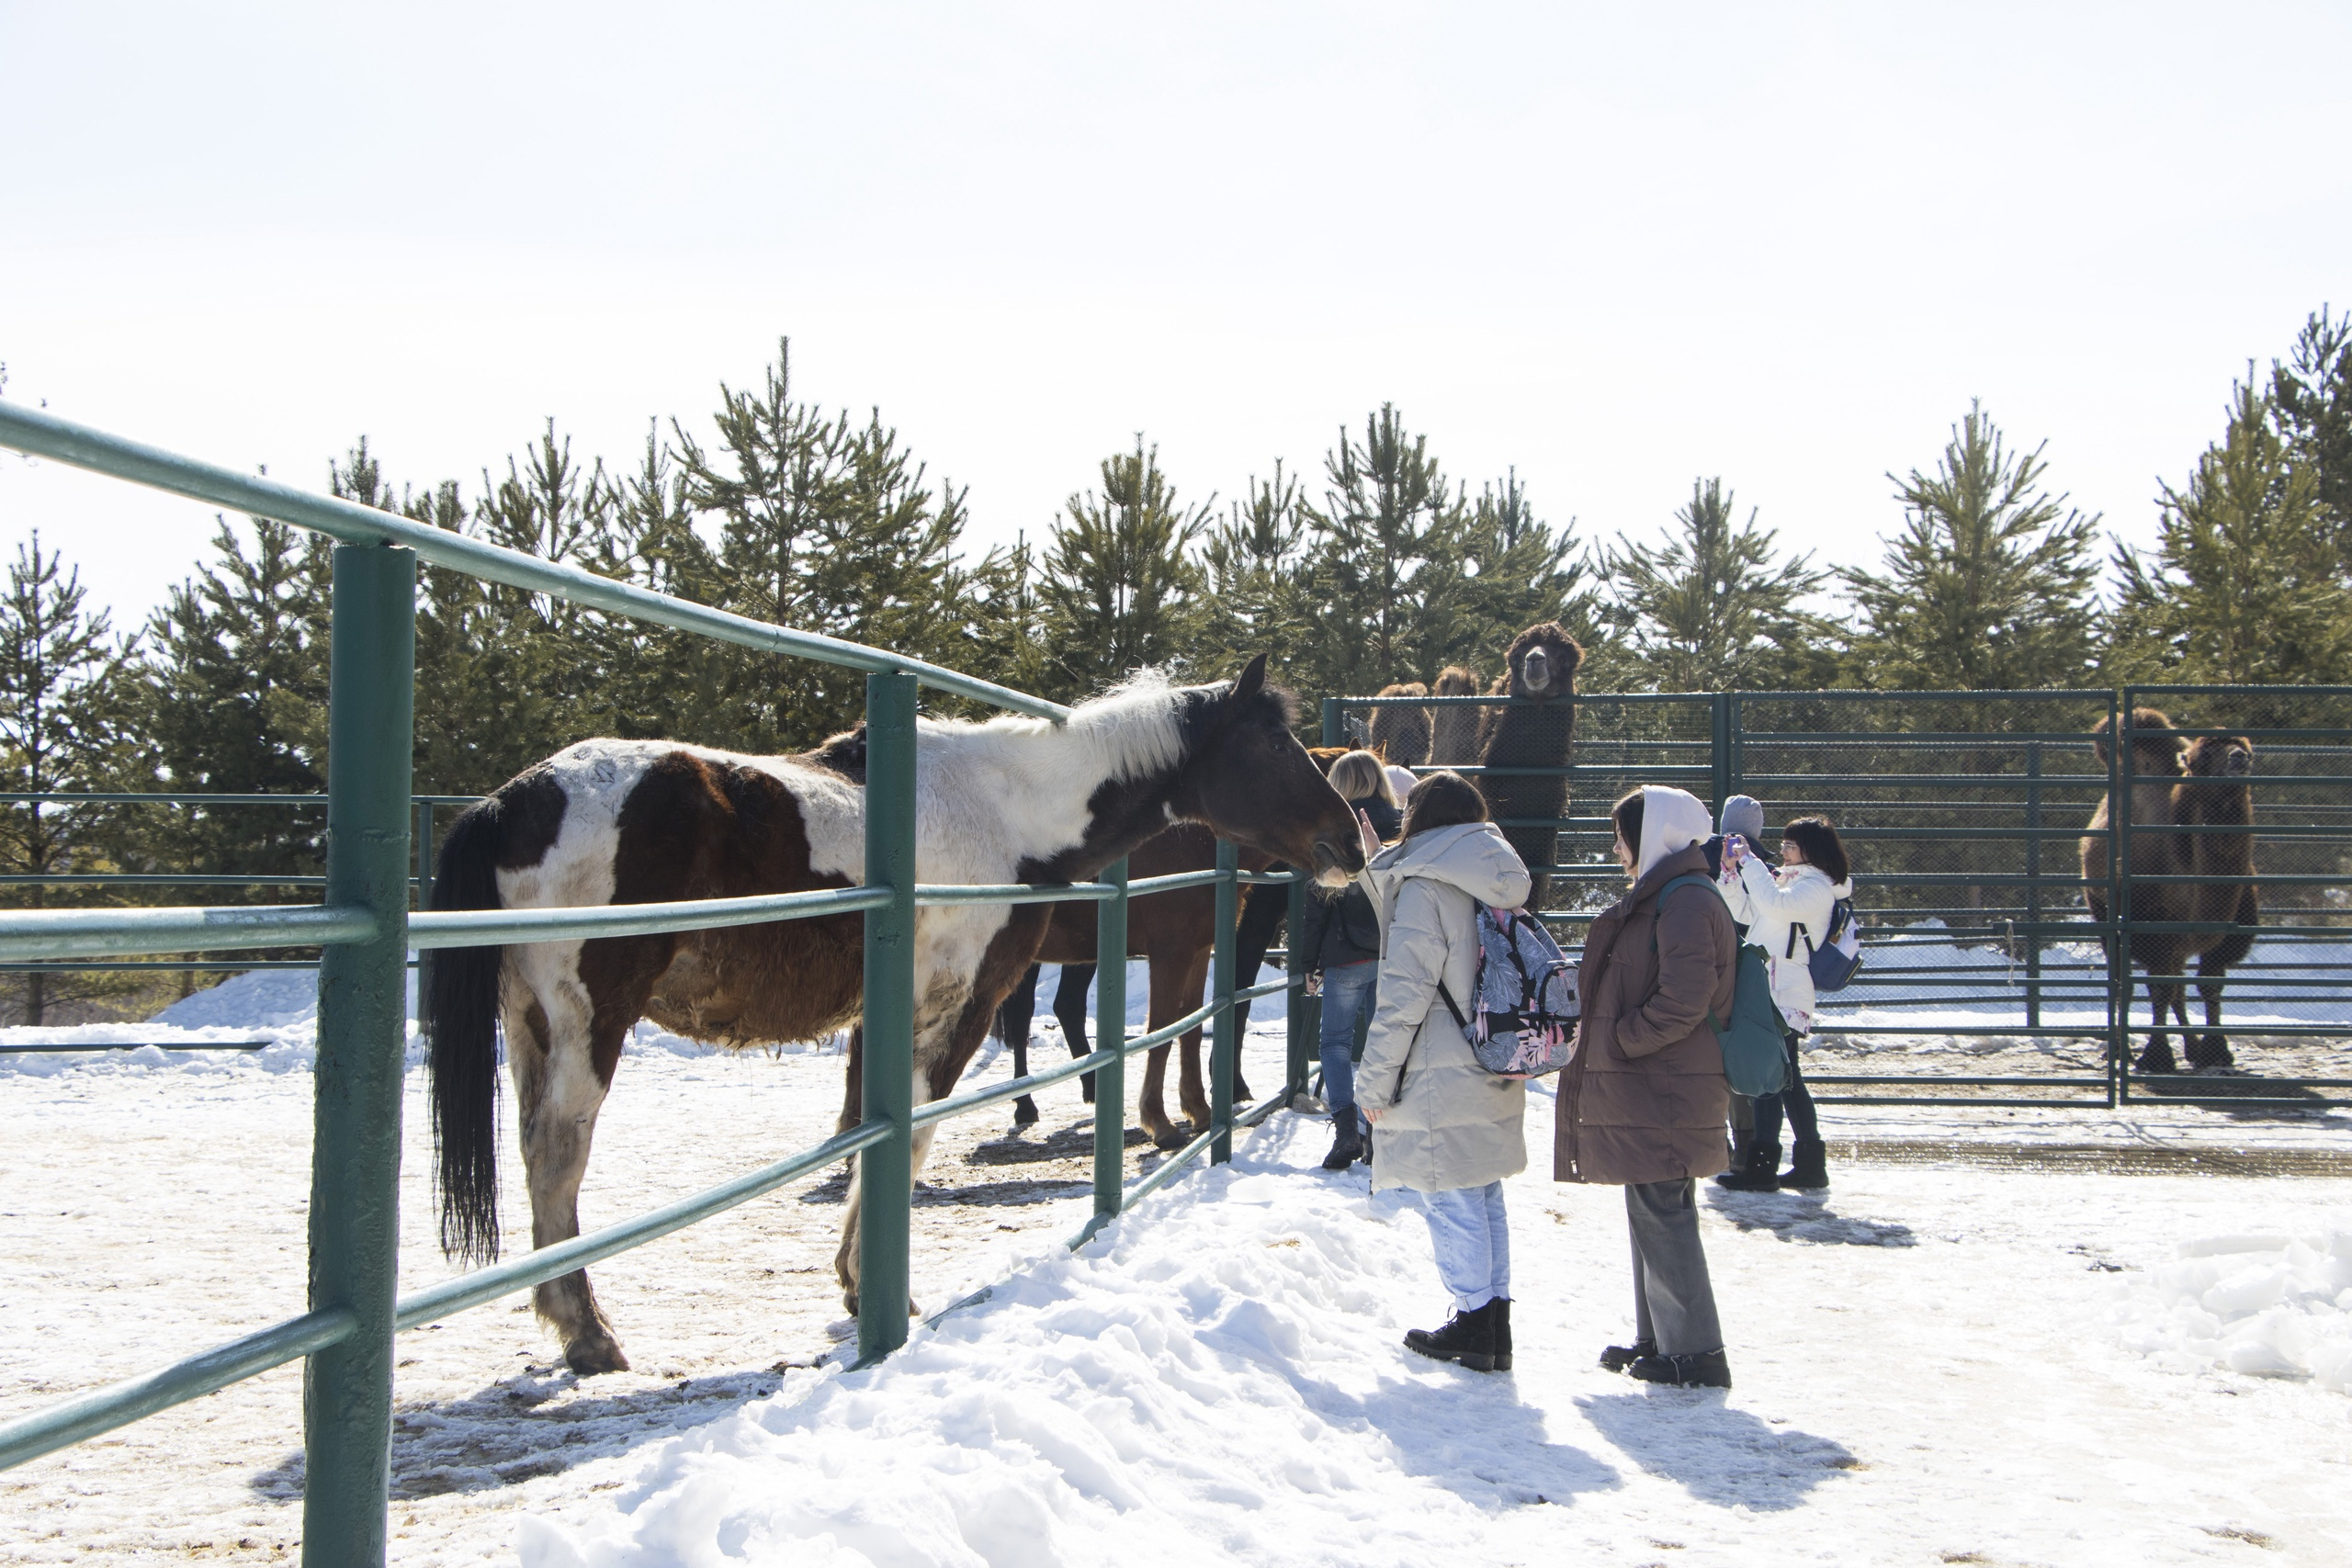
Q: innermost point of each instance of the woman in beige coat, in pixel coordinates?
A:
(1441, 1124)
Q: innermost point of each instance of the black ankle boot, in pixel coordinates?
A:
(1761, 1174)
(1467, 1337)
(1808, 1168)
(1617, 1358)
(1498, 1310)
(1347, 1142)
(1709, 1370)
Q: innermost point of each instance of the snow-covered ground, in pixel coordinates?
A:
(1971, 1350)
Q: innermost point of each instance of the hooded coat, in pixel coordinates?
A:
(1445, 1122)
(1773, 906)
(1644, 1100)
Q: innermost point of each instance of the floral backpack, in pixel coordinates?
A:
(1524, 1021)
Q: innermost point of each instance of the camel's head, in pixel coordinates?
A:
(2155, 747)
(1543, 660)
(2220, 757)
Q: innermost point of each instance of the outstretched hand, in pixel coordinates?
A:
(1364, 830)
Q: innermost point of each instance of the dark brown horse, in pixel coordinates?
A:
(622, 822)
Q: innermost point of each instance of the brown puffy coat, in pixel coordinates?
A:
(1644, 1099)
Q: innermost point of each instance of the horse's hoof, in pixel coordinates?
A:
(1086, 1091)
(589, 1358)
(1024, 1112)
(1173, 1138)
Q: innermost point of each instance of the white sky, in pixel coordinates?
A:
(1785, 244)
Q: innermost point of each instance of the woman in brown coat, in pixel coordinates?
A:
(1644, 1100)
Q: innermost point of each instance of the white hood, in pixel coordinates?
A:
(1672, 820)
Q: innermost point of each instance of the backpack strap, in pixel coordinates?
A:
(1446, 996)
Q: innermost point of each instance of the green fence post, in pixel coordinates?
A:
(424, 840)
(362, 1052)
(1335, 729)
(1111, 1034)
(2033, 883)
(1225, 1049)
(1719, 751)
(1300, 1011)
(885, 1171)
(2119, 901)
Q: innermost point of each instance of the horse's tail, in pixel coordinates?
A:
(458, 994)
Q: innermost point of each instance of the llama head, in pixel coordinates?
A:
(1544, 661)
(2156, 749)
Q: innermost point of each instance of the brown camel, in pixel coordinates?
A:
(1538, 731)
(2201, 786)
(1453, 730)
(1401, 734)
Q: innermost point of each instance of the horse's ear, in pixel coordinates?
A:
(1252, 681)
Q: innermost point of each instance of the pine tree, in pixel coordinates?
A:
(1716, 606)
(1254, 565)
(1120, 585)
(65, 727)
(1990, 583)
(2310, 403)
(1520, 571)
(2246, 584)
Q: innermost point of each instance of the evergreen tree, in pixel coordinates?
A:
(1518, 571)
(2310, 403)
(1120, 585)
(65, 727)
(1254, 563)
(1391, 550)
(1989, 585)
(1715, 607)
(2246, 585)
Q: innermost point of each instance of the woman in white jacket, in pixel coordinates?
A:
(1441, 1124)
(1787, 914)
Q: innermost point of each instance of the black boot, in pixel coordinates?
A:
(1498, 1310)
(1467, 1337)
(1617, 1358)
(1808, 1168)
(1761, 1174)
(1347, 1141)
(1711, 1370)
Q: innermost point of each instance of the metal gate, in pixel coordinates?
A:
(1988, 979)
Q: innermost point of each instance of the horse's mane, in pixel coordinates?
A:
(1144, 724)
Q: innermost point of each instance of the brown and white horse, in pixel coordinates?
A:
(635, 821)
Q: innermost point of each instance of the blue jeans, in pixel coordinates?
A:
(1473, 1237)
(1347, 993)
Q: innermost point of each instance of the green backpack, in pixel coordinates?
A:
(1756, 1059)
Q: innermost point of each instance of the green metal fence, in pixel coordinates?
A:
(1987, 978)
(365, 932)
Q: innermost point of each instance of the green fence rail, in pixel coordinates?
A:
(377, 843)
(1968, 814)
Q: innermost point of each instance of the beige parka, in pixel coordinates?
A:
(1445, 1122)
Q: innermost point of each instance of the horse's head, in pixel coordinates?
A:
(2220, 757)
(1249, 780)
(1543, 660)
(2156, 749)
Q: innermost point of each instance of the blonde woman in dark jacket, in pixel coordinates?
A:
(1643, 1102)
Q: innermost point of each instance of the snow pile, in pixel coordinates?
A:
(2269, 1305)
(1217, 1378)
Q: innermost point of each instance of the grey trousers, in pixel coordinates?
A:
(1673, 1307)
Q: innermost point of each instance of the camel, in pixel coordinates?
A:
(1538, 730)
(1401, 735)
(1453, 730)
(2201, 786)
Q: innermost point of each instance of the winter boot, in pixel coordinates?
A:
(1347, 1141)
(1617, 1358)
(1498, 1310)
(1741, 1140)
(1711, 1370)
(1808, 1168)
(1761, 1174)
(1467, 1337)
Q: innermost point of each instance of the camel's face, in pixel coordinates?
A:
(2221, 757)
(1543, 660)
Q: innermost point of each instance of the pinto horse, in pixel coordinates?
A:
(628, 821)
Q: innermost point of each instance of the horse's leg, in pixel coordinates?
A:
(1184, 977)
(1069, 1007)
(1013, 1021)
(1151, 1105)
(558, 1092)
